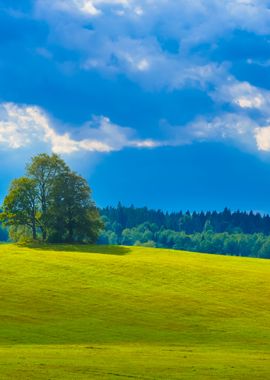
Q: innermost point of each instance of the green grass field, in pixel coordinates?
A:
(134, 313)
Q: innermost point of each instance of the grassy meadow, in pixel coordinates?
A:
(109, 312)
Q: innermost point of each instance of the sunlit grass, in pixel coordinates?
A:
(93, 312)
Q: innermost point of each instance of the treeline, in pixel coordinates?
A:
(231, 233)
(122, 217)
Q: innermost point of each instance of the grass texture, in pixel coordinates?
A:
(101, 312)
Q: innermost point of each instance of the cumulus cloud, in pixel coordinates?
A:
(127, 36)
(243, 128)
(243, 95)
(262, 136)
(134, 38)
(26, 126)
(236, 129)
(86, 7)
(23, 126)
(145, 63)
(231, 127)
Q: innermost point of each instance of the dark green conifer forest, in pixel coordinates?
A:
(231, 233)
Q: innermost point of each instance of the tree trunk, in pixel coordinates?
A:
(34, 232)
(70, 233)
(34, 228)
(44, 235)
(44, 211)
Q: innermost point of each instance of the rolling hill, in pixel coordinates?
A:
(103, 312)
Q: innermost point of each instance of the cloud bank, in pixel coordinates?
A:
(23, 126)
(158, 48)
(26, 126)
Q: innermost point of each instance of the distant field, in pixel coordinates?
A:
(93, 312)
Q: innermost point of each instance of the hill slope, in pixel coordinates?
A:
(119, 312)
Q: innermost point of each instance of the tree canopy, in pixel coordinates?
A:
(230, 233)
(51, 203)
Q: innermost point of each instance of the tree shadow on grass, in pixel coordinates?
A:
(82, 248)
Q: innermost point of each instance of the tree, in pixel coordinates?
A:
(72, 215)
(44, 170)
(208, 228)
(53, 202)
(20, 207)
(264, 252)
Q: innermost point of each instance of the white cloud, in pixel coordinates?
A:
(236, 129)
(23, 127)
(138, 11)
(26, 126)
(143, 65)
(262, 136)
(125, 35)
(245, 102)
(243, 95)
(85, 7)
(144, 62)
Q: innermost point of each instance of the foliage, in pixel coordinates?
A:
(20, 234)
(52, 202)
(120, 228)
(189, 222)
(44, 170)
(20, 207)
(72, 215)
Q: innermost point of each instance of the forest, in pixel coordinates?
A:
(227, 232)
(53, 204)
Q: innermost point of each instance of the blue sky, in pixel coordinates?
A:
(159, 103)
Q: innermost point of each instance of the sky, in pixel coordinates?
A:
(164, 104)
